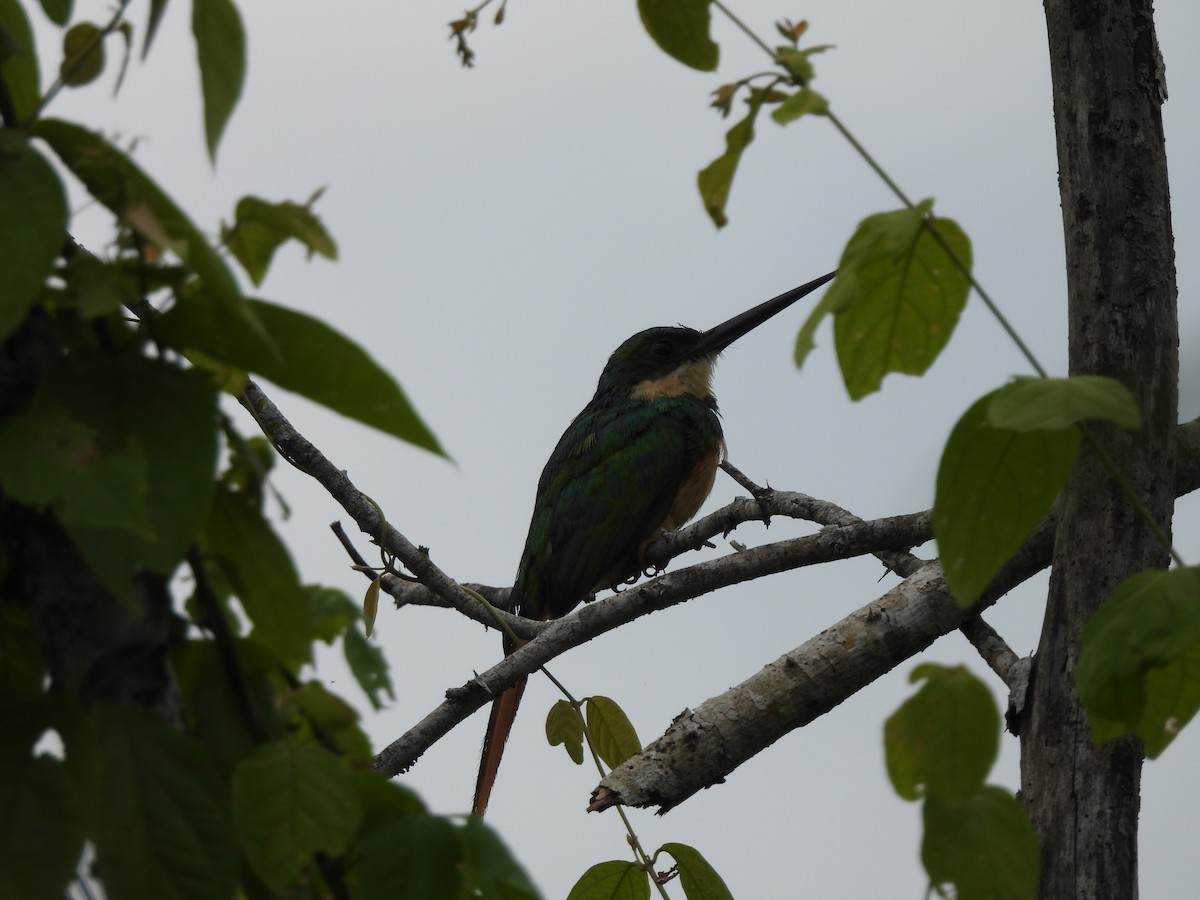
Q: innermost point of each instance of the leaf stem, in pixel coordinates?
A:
(1135, 501)
(930, 223)
(70, 70)
(746, 30)
(993, 307)
(868, 159)
(643, 858)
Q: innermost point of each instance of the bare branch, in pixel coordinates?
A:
(877, 537)
(702, 746)
(995, 652)
(407, 593)
(657, 594)
(903, 622)
(297, 450)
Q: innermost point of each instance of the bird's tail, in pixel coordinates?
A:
(504, 712)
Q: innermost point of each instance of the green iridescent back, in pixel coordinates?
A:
(607, 487)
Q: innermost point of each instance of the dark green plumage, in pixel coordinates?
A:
(614, 476)
(640, 458)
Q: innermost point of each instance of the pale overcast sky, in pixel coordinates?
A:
(502, 229)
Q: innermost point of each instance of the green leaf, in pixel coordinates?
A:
(249, 463)
(1036, 404)
(330, 611)
(993, 487)
(943, 740)
(18, 60)
(260, 227)
(489, 867)
(681, 30)
(799, 62)
(95, 288)
(613, 880)
(114, 180)
(805, 102)
(563, 726)
(985, 847)
(378, 792)
(333, 719)
(898, 296)
(290, 803)
(27, 715)
(325, 366)
(121, 423)
(1172, 698)
(369, 667)
(47, 458)
(157, 8)
(716, 179)
(829, 304)
(41, 831)
(400, 856)
(1139, 663)
(317, 362)
(83, 55)
(57, 11)
(216, 710)
(33, 225)
(165, 831)
(21, 665)
(171, 414)
(221, 51)
(612, 734)
(370, 606)
(248, 555)
(699, 879)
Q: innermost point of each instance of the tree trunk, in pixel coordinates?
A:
(1108, 89)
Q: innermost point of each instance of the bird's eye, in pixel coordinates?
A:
(663, 348)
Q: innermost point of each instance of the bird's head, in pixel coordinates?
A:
(660, 362)
(667, 362)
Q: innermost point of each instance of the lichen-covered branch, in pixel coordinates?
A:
(702, 746)
(657, 594)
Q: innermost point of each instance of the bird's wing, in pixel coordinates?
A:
(609, 484)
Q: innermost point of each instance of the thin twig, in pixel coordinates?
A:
(360, 563)
(993, 649)
(61, 81)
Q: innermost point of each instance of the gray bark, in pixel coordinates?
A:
(1108, 90)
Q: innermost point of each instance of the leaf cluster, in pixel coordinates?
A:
(940, 745)
(607, 731)
(156, 639)
(902, 283)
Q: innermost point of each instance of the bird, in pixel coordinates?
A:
(638, 461)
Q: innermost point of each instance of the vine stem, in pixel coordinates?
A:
(930, 224)
(746, 30)
(895, 188)
(61, 81)
(1134, 500)
(643, 857)
(931, 227)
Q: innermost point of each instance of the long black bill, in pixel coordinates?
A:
(717, 339)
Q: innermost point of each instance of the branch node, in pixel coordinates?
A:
(469, 691)
(1017, 694)
(602, 799)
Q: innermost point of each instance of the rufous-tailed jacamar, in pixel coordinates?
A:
(639, 460)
